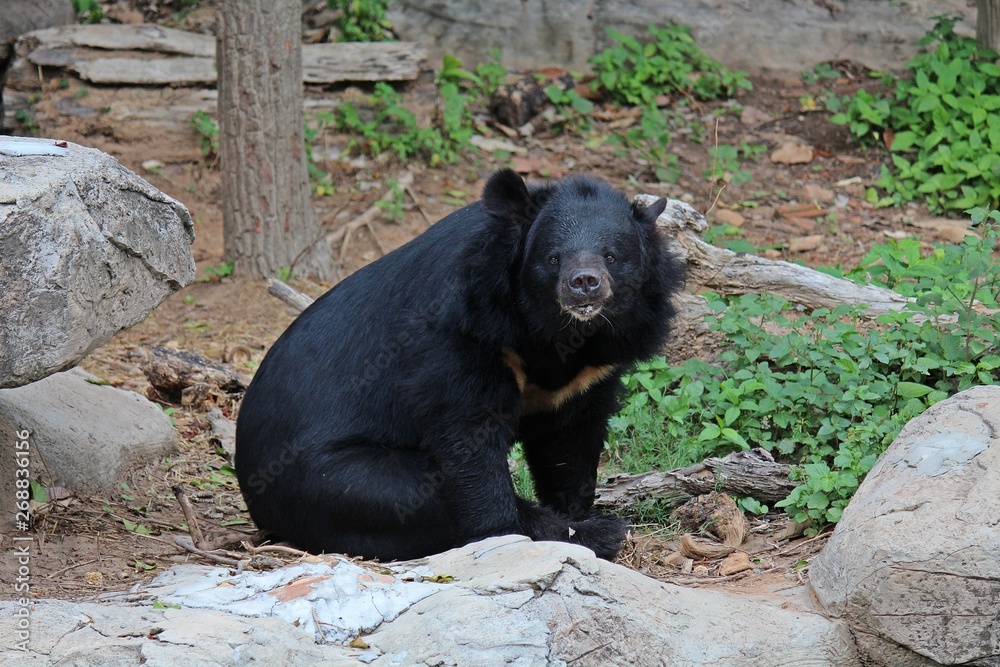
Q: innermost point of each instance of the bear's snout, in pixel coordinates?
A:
(584, 288)
(585, 281)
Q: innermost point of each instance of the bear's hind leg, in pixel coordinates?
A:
(367, 500)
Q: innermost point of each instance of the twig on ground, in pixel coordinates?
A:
(192, 520)
(289, 295)
(180, 541)
(273, 547)
(343, 234)
(71, 567)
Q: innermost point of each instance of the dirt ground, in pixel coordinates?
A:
(87, 547)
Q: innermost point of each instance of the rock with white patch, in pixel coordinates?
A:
(914, 564)
(88, 248)
(502, 601)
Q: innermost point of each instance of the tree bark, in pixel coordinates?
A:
(268, 222)
(988, 23)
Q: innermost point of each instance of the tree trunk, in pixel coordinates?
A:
(267, 218)
(988, 23)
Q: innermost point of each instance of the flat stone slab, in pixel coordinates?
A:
(504, 600)
(89, 249)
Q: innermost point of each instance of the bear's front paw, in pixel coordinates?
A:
(601, 533)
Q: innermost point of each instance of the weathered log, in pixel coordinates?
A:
(115, 37)
(361, 61)
(169, 71)
(172, 373)
(728, 272)
(753, 473)
(177, 57)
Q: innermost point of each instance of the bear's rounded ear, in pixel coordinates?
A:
(648, 213)
(505, 197)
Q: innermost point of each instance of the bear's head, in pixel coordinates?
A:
(586, 254)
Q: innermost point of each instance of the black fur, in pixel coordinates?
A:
(379, 424)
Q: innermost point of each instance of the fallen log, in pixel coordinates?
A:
(148, 54)
(728, 272)
(115, 37)
(754, 473)
(184, 377)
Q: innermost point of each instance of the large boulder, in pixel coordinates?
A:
(80, 434)
(782, 35)
(89, 249)
(914, 564)
(505, 600)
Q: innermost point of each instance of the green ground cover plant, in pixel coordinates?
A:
(389, 127)
(941, 124)
(362, 20)
(635, 74)
(826, 390)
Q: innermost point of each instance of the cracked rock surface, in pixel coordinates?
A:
(512, 602)
(914, 564)
(89, 249)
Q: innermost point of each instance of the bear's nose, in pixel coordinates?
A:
(584, 281)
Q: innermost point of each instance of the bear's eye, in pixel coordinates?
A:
(554, 259)
(609, 258)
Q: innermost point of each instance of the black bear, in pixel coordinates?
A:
(380, 422)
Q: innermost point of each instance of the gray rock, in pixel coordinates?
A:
(777, 35)
(914, 564)
(89, 250)
(84, 634)
(551, 603)
(21, 16)
(513, 602)
(82, 435)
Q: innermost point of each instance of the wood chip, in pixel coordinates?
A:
(727, 217)
(531, 165)
(792, 152)
(805, 243)
(815, 194)
(735, 562)
(800, 211)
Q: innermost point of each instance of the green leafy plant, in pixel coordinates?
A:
(941, 124)
(820, 73)
(392, 128)
(481, 83)
(392, 203)
(219, 271)
(88, 11)
(636, 74)
(572, 110)
(208, 132)
(818, 389)
(491, 74)
(523, 484)
(648, 142)
(362, 20)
